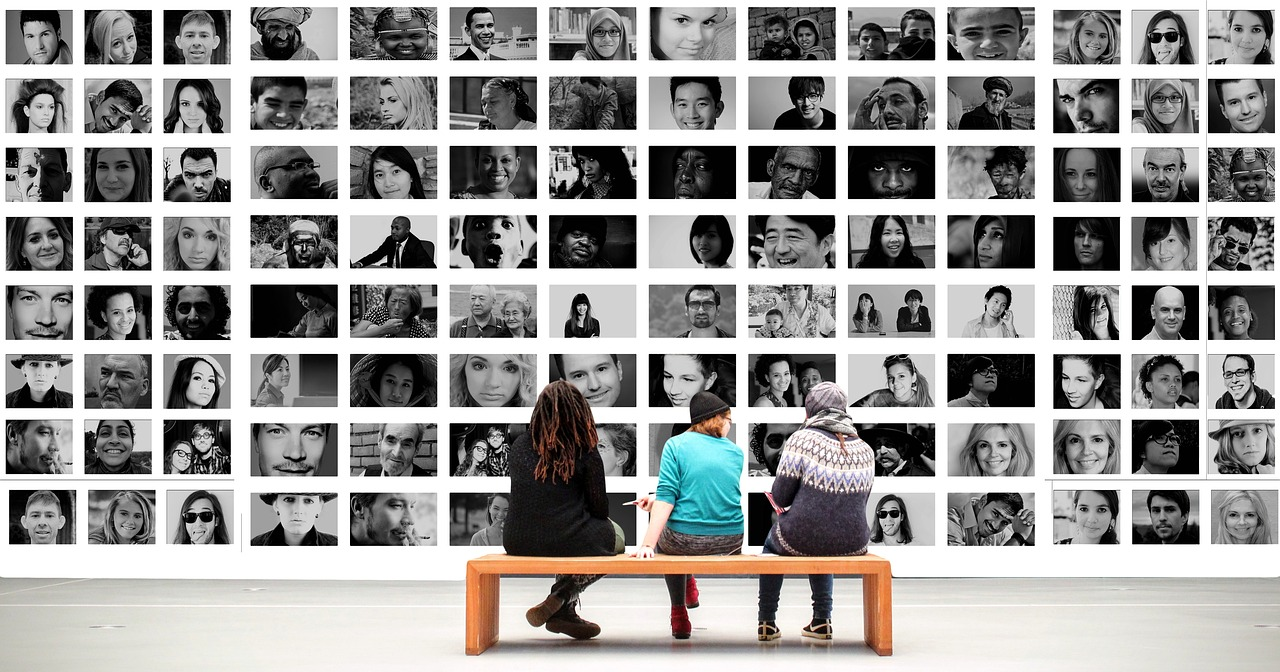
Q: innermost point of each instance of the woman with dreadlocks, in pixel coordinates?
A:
(558, 502)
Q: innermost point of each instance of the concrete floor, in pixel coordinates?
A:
(951, 624)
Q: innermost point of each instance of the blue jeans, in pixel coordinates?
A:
(820, 585)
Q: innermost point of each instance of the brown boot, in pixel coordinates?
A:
(566, 621)
(537, 616)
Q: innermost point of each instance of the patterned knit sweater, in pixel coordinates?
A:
(826, 485)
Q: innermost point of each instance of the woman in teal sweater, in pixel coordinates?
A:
(697, 509)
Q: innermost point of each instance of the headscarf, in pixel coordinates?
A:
(1183, 124)
(598, 17)
(294, 15)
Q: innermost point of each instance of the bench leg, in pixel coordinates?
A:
(482, 611)
(877, 608)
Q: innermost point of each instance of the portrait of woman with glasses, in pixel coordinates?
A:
(1160, 447)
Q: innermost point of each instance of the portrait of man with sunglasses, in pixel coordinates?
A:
(122, 246)
(289, 172)
(1229, 247)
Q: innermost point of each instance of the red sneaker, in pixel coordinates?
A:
(680, 625)
(691, 593)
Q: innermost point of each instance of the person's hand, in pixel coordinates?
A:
(1024, 522)
(643, 552)
(1217, 245)
(645, 503)
(869, 105)
(391, 326)
(1008, 316)
(142, 119)
(330, 189)
(139, 256)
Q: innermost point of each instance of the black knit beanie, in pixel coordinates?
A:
(705, 405)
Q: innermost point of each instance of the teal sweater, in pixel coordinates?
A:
(702, 477)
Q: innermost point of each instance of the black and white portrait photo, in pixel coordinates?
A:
(39, 244)
(592, 103)
(599, 311)
(894, 103)
(32, 382)
(1086, 381)
(493, 34)
(118, 448)
(393, 519)
(403, 246)
(293, 311)
(584, 34)
(293, 519)
(196, 106)
(893, 381)
(711, 240)
(118, 313)
(117, 37)
(281, 380)
(393, 103)
(1003, 172)
(293, 103)
(194, 447)
(1165, 447)
(37, 37)
(394, 449)
(792, 241)
(583, 172)
(794, 104)
(118, 381)
(775, 377)
(692, 172)
(890, 519)
(1087, 517)
(1165, 313)
(1240, 37)
(39, 105)
(42, 517)
(901, 449)
(293, 241)
(192, 174)
(493, 241)
(1165, 106)
(692, 311)
(1001, 380)
(1163, 244)
(1241, 105)
(41, 175)
(1159, 381)
(991, 241)
(1086, 243)
(393, 172)
(39, 312)
(1086, 105)
(791, 34)
(991, 518)
(482, 449)
(990, 33)
(593, 241)
(477, 519)
(493, 103)
(394, 311)
(693, 103)
(892, 241)
(1090, 37)
(991, 449)
(1092, 174)
(1086, 312)
(300, 449)
(897, 172)
(394, 34)
(196, 382)
(293, 33)
(120, 175)
(891, 310)
(294, 172)
(488, 311)
(1242, 313)
(1245, 384)
(196, 37)
(693, 33)
(493, 172)
(1242, 174)
(200, 517)
(791, 172)
(197, 312)
(674, 379)
(994, 103)
(606, 380)
(993, 306)
(764, 445)
(393, 380)
(1242, 446)
(1243, 517)
(1086, 447)
(1240, 243)
(791, 311)
(492, 380)
(1164, 175)
(891, 34)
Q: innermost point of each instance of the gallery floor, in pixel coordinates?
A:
(940, 624)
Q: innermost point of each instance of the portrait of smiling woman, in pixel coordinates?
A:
(1086, 447)
(994, 450)
(118, 174)
(393, 172)
(39, 244)
(692, 33)
(1092, 519)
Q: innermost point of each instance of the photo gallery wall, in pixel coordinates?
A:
(957, 200)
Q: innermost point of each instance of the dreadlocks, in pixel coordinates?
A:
(561, 428)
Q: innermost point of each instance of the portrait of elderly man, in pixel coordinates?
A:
(297, 514)
(39, 312)
(702, 309)
(43, 174)
(891, 172)
(290, 449)
(1229, 247)
(117, 250)
(198, 173)
(897, 451)
(1243, 104)
(39, 391)
(1251, 175)
(792, 172)
(481, 323)
(990, 115)
(197, 312)
(1240, 378)
(1164, 168)
(400, 249)
(41, 32)
(397, 317)
(696, 172)
(37, 446)
(303, 247)
(498, 241)
(281, 34)
(118, 108)
(123, 381)
(794, 241)
(282, 172)
(806, 111)
(1006, 167)
(1087, 106)
(479, 30)
(898, 104)
(397, 446)
(579, 243)
(113, 443)
(388, 519)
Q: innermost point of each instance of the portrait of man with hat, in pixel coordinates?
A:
(118, 249)
(990, 116)
(281, 36)
(303, 247)
(41, 372)
(898, 452)
(297, 513)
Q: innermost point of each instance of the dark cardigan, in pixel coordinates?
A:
(557, 519)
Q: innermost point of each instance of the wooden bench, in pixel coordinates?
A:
(484, 573)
